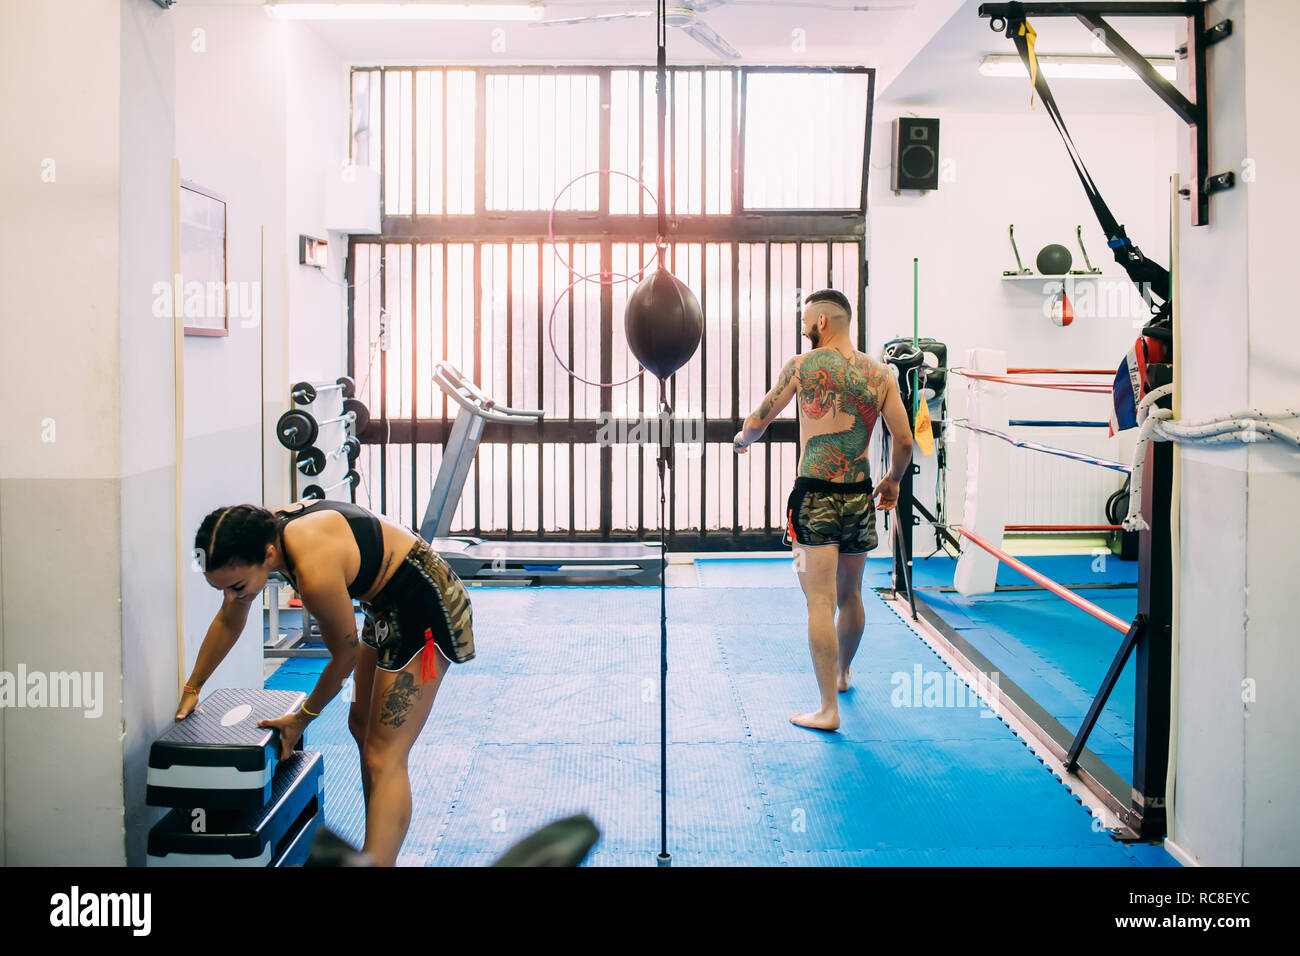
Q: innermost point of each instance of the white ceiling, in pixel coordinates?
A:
(762, 31)
(924, 51)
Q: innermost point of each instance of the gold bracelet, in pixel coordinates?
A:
(302, 708)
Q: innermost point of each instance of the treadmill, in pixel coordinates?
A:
(477, 561)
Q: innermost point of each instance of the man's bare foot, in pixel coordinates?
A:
(822, 720)
(842, 680)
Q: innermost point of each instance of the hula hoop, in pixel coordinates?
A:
(550, 328)
(550, 226)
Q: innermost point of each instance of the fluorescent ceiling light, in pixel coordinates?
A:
(1073, 67)
(405, 11)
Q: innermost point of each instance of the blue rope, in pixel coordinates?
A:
(1035, 446)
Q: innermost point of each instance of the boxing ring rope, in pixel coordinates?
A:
(1009, 379)
(1046, 449)
(1058, 589)
(990, 471)
(1048, 423)
(1064, 527)
(1155, 424)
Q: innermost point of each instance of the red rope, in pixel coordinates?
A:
(1063, 386)
(1061, 371)
(1064, 527)
(1057, 589)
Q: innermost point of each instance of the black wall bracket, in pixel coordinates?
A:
(1193, 112)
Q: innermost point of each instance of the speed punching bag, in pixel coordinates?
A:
(663, 322)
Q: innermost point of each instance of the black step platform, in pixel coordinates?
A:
(220, 759)
(279, 834)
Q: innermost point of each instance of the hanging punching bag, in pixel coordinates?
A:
(663, 322)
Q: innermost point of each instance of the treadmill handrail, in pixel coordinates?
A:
(454, 384)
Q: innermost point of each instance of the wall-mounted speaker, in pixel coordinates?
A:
(916, 153)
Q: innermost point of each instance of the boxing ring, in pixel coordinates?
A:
(1135, 804)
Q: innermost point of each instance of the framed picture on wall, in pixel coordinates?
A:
(203, 261)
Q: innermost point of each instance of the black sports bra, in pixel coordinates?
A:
(367, 531)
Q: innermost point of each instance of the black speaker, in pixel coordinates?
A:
(916, 153)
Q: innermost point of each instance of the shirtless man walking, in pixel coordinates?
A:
(830, 514)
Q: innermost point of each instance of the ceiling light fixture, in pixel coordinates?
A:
(1073, 67)
(405, 11)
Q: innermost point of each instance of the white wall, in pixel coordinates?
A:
(1237, 759)
(147, 390)
(262, 120)
(316, 127)
(1001, 168)
(87, 462)
(231, 65)
(60, 555)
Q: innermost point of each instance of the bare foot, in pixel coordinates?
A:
(822, 720)
(842, 680)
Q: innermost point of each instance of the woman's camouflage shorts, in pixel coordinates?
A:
(423, 601)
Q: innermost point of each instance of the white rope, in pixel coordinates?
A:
(1157, 424)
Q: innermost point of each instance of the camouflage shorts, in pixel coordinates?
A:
(424, 602)
(822, 512)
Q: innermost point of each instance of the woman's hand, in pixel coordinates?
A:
(289, 728)
(189, 701)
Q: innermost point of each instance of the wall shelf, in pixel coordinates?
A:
(1038, 278)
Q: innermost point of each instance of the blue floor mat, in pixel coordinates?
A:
(1069, 569)
(1057, 654)
(559, 713)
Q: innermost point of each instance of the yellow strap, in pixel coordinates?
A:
(924, 430)
(1030, 36)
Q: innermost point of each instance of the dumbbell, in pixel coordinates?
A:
(298, 429)
(312, 461)
(317, 493)
(304, 393)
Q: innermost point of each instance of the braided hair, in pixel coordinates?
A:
(234, 535)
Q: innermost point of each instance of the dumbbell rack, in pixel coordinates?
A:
(298, 430)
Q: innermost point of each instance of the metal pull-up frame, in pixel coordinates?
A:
(1193, 112)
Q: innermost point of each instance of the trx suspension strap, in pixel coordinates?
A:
(1151, 278)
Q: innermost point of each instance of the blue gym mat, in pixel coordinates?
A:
(1069, 569)
(559, 713)
(1058, 654)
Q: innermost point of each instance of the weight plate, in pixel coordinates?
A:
(296, 429)
(362, 413)
(304, 393)
(311, 461)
